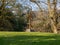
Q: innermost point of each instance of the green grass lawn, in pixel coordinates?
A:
(29, 38)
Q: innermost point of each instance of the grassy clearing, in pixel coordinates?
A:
(29, 38)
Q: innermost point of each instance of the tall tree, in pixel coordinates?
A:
(52, 15)
(4, 16)
(52, 12)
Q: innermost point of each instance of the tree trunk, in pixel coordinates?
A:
(53, 26)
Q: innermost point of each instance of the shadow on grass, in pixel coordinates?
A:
(30, 40)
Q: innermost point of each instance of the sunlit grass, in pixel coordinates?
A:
(29, 38)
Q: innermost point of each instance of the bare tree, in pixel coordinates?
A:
(51, 5)
(52, 15)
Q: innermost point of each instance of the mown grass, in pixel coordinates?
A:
(29, 38)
